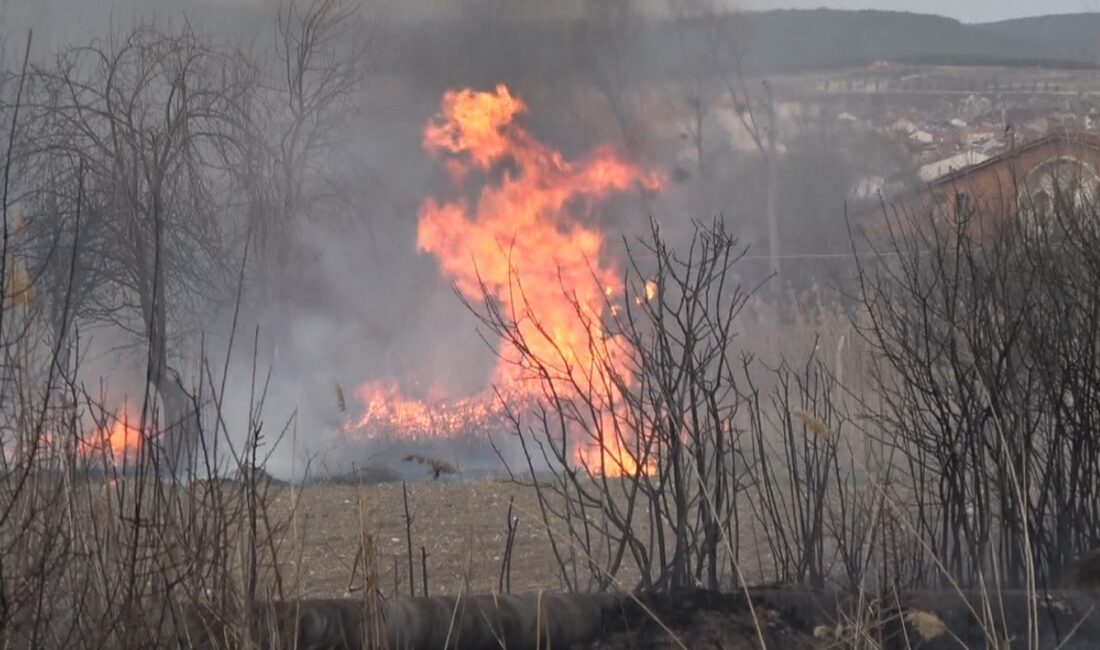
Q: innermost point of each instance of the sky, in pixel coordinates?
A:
(964, 10)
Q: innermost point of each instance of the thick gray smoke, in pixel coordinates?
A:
(365, 305)
(362, 304)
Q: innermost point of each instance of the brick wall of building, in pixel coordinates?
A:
(993, 188)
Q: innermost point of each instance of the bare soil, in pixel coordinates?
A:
(462, 527)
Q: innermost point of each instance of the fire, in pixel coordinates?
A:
(420, 419)
(611, 458)
(520, 236)
(527, 243)
(650, 293)
(119, 439)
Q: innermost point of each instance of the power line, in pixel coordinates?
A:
(809, 256)
(816, 256)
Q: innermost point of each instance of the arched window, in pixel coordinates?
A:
(1041, 205)
(1055, 189)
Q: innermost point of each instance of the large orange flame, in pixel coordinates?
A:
(525, 243)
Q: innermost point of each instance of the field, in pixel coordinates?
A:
(462, 527)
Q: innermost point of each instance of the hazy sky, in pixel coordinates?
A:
(965, 10)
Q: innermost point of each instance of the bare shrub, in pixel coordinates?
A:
(983, 327)
(111, 535)
(647, 460)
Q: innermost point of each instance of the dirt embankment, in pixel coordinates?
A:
(769, 618)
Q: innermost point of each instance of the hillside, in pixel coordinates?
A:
(479, 51)
(801, 39)
(495, 45)
(1074, 37)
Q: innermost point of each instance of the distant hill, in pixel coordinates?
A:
(801, 39)
(1072, 37)
(778, 40)
(483, 52)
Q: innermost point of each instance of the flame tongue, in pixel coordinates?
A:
(473, 123)
(520, 236)
(523, 244)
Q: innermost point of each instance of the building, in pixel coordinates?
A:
(934, 171)
(922, 138)
(1023, 179)
(1027, 176)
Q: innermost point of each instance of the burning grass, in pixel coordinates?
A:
(526, 242)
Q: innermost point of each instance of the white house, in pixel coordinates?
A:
(941, 168)
(922, 137)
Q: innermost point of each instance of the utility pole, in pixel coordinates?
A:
(3, 35)
(772, 183)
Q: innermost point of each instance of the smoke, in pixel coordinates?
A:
(364, 305)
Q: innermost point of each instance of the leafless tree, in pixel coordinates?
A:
(324, 50)
(168, 133)
(697, 73)
(608, 37)
(712, 43)
(87, 562)
(150, 122)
